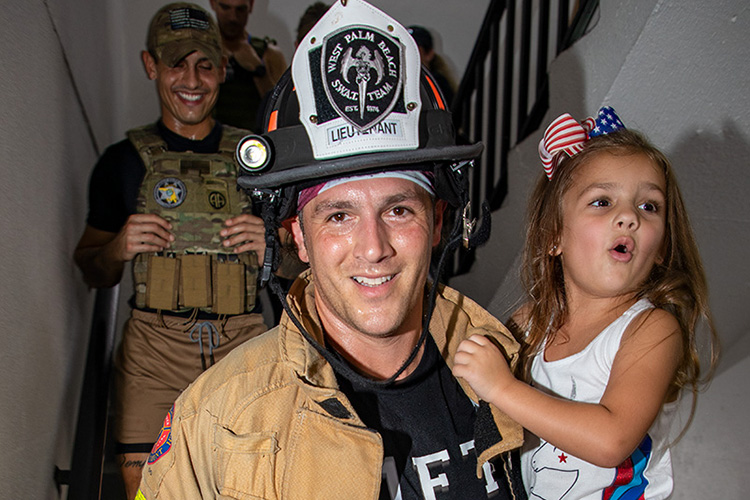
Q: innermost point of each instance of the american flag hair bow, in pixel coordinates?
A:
(567, 135)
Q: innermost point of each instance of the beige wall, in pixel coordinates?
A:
(46, 156)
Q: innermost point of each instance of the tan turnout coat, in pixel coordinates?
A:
(268, 421)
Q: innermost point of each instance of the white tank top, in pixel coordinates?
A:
(553, 474)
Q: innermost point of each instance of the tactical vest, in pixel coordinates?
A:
(196, 193)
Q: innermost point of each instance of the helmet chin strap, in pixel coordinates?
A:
(457, 236)
(271, 256)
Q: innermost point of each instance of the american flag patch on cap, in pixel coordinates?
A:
(187, 18)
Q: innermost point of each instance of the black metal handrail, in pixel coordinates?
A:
(84, 478)
(507, 66)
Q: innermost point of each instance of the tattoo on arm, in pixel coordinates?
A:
(123, 463)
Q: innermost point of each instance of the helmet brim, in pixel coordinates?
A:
(294, 162)
(338, 167)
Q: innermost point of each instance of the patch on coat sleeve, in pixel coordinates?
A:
(486, 433)
(164, 443)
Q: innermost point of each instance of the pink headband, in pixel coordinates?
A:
(567, 135)
(422, 179)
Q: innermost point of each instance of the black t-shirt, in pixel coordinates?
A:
(117, 176)
(427, 425)
(240, 104)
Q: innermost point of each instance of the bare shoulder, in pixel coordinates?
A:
(654, 324)
(654, 334)
(275, 62)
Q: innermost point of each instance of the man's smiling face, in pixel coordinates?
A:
(369, 243)
(188, 91)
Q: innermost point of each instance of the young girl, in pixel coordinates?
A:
(616, 289)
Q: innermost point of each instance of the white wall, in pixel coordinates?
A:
(678, 71)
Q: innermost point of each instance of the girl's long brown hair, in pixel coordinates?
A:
(677, 285)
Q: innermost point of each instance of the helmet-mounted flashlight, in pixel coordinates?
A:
(253, 153)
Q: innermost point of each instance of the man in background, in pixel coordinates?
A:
(312, 15)
(165, 199)
(255, 65)
(434, 62)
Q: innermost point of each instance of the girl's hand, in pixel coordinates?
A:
(483, 366)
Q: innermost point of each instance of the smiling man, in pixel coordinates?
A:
(166, 200)
(367, 240)
(352, 395)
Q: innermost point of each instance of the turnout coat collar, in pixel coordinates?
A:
(455, 318)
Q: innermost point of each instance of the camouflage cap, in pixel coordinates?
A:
(178, 29)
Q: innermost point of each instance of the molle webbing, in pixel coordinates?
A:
(196, 193)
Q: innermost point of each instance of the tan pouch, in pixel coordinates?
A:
(161, 282)
(195, 281)
(229, 288)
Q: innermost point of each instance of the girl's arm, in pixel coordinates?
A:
(603, 434)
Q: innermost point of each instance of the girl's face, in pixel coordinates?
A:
(614, 219)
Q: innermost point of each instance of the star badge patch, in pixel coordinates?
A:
(170, 192)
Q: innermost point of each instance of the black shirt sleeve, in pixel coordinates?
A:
(113, 187)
